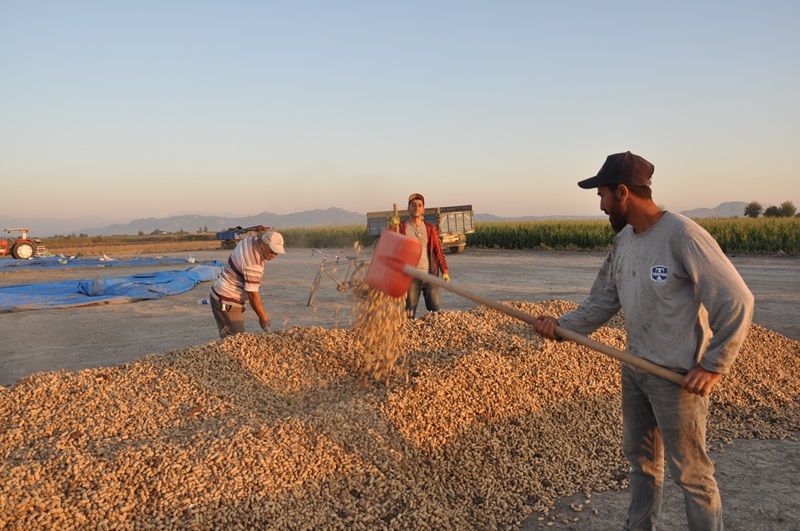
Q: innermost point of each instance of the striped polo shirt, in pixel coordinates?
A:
(242, 273)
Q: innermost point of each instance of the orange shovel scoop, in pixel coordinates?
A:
(393, 253)
(393, 267)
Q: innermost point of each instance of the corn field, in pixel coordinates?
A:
(340, 237)
(757, 236)
(734, 235)
(590, 235)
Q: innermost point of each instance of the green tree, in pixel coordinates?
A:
(787, 209)
(772, 212)
(753, 209)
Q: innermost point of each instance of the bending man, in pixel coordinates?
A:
(240, 281)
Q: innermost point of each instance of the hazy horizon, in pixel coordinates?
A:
(47, 227)
(146, 109)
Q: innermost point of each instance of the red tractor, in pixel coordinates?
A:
(24, 247)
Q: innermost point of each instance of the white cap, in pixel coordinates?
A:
(274, 240)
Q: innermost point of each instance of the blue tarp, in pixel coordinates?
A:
(59, 262)
(116, 290)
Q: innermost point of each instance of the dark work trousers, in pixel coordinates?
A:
(430, 292)
(229, 317)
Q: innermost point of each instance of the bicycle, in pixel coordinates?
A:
(355, 276)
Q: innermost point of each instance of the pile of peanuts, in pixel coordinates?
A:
(279, 432)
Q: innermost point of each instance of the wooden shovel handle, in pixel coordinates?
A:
(643, 364)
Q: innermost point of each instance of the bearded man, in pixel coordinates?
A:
(685, 308)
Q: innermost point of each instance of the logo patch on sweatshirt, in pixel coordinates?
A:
(659, 273)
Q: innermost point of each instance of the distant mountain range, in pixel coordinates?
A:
(732, 209)
(43, 227)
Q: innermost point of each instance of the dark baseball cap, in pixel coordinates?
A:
(621, 168)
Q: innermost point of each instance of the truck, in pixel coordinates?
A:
(453, 222)
(231, 236)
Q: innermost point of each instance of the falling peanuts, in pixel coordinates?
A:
(379, 328)
(493, 425)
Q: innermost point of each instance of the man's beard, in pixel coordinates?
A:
(617, 217)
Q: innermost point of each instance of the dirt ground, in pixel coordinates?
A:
(757, 478)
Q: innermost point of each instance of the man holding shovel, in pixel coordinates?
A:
(431, 260)
(685, 308)
(240, 281)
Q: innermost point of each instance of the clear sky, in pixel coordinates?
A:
(136, 109)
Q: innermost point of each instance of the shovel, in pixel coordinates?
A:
(393, 268)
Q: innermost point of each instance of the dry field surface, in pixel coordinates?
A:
(134, 414)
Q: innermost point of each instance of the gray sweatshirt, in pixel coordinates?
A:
(683, 301)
